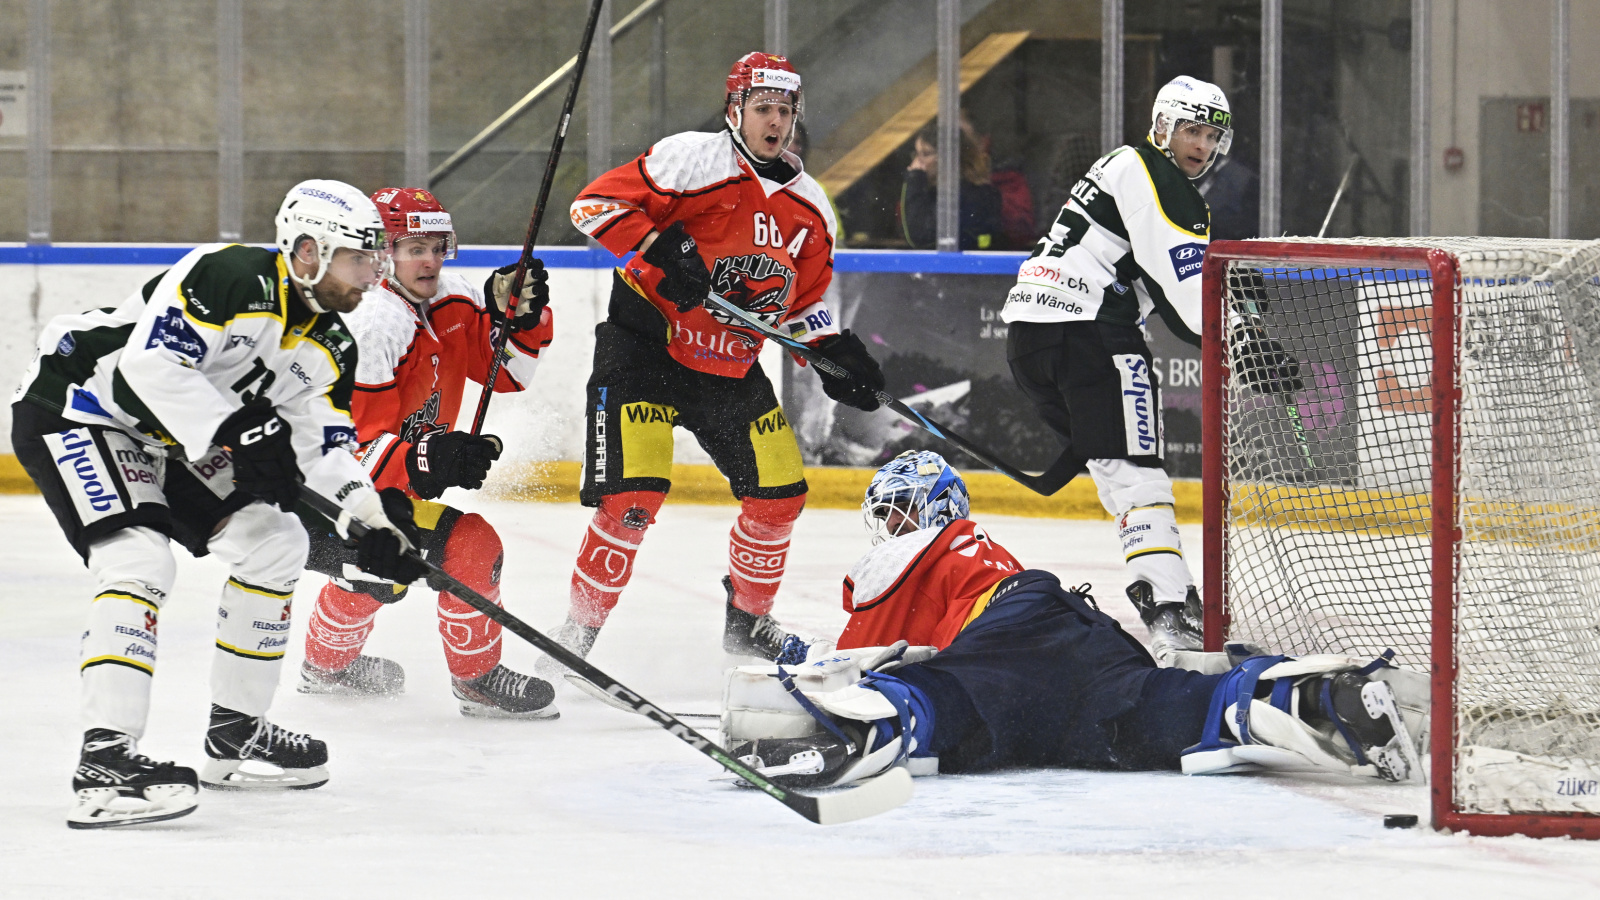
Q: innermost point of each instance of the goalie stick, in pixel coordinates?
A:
(498, 343)
(1045, 483)
(881, 794)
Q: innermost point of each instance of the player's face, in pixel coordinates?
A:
(417, 261)
(350, 273)
(768, 120)
(897, 522)
(1192, 146)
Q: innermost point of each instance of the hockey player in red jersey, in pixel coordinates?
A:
(421, 335)
(731, 212)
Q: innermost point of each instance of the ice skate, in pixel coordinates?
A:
(235, 739)
(1173, 626)
(746, 634)
(1365, 714)
(366, 677)
(117, 786)
(503, 694)
(577, 638)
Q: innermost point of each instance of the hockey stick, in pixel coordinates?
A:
(1040, 484)
(870, 798)
(498, 345)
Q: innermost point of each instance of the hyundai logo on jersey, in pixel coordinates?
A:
(336, 436)
(1187, 259)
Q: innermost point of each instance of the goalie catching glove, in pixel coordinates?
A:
(531, 300)
(1262, 361)
(264, 464)
(446, 459)
(391, 533)
(847, 351)
(685, 281)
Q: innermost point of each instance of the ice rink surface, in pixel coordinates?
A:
(426, 803)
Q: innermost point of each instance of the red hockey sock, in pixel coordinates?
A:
(605, 560)
(474, 555)
(758, 547)
(341, 620)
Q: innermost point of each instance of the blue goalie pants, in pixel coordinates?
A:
(1042, 678)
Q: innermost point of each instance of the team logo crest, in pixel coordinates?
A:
(422, 196)
(756, 283)
(422, 422)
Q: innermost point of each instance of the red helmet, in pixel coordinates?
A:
(413, 212)
(764, 71)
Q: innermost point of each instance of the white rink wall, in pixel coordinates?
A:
(543, 423)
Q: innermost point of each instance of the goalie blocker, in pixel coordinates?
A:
(1042, 678)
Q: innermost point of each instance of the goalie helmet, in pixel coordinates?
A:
(1185, 99)
(917, 489)
(755, 72)
(414, 212)
(334, 215)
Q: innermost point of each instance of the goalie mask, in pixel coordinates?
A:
(1183, 100)
(332, 214)
(758, 73)
(915, 490)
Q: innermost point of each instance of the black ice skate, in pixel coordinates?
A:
(235, 739)
(117, 786)
(579, 639)
(746, 634)
(802, 762)
(504, 694)
(1173, 626)
(1365, 714)
(366, 677)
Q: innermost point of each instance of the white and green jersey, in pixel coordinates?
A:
(1130, 240)
(220, 329)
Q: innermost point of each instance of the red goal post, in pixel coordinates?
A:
(1432, 486)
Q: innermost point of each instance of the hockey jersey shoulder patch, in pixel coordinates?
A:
(691, 162)
(454, 284)
(875, 576)
(1177, 197)
(384, 325)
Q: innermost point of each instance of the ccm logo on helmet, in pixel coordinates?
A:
(265, 429)
(1187, 259)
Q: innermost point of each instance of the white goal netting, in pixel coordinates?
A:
(1329, 528)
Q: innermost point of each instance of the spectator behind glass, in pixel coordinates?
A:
(980, 199)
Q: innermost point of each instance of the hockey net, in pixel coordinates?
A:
(1432, 487)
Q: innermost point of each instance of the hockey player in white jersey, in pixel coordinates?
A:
(1130, 241)
(192, 412)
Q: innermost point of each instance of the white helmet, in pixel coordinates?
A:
(333, 214)
(1185, 99)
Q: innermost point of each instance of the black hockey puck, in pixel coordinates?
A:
(1399, 820)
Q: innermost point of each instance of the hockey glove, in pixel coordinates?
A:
(860, 390)
(684, 279)
(382, 551)
(1262, 362)
(445, 459)
(532, 300)
(264, 464)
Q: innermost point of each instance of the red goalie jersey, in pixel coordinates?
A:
(414, 364)
(923, 587)
(768, 246)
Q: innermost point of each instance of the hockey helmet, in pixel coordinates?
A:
(758, 72)
(922, 488)
(334, 215)
(415, 212)
(1185, 99)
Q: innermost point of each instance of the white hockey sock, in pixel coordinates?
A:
(252, 635)
(1154, 551)
(134, 570)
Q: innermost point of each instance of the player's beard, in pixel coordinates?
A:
(335, 295)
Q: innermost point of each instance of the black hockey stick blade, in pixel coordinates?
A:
(1036, 483)
(870, 798)
(498, 343)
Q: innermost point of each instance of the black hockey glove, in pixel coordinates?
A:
(532, 300)
(445, 459)
(684, 279)
(264, 464)
(1262, 362)
(382, 551)
(847, 351)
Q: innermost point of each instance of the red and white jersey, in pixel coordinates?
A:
(414, 363)
(768, 246)
(923, 587)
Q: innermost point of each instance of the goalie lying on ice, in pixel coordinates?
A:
(1033, 674)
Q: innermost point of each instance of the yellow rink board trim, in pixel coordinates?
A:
(831, 488)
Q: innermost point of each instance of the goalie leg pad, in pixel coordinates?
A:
(605, 559)
(758, 549)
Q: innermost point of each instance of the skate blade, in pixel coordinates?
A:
(1398, 760)
(327, 689)
(226, 775)
(474, 710)
(98, 807)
